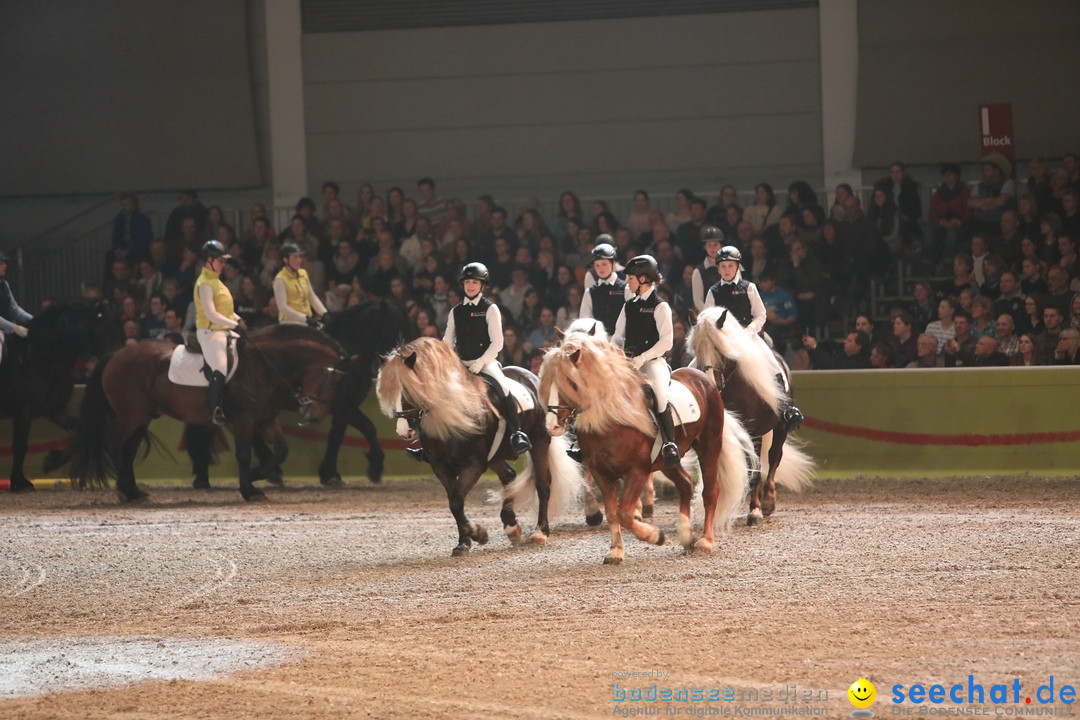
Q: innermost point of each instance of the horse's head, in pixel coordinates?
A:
(558, 364)
(317, 389)
(305, 362)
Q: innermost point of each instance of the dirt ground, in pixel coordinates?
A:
(346, 603)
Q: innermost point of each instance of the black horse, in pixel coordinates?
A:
(367, 332)
(38, 373)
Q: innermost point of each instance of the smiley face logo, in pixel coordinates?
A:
(862, 693)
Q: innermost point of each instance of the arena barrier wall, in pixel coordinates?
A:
(979, 421)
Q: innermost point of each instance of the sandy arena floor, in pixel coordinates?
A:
(346, 603)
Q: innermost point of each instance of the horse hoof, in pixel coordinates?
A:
(480, 535)
(255, 495)
(754, 517)
(275, 478)
(660, 537)
(610, 559)
(54, 459)
(646, 511)
(200, 484)
(513, 533)
(703, 546)
(22, 486)
(133, 496)
(595, 519)
(768, 505)
(331, 481)
(538, 538)
(376, 464)
(460, 551)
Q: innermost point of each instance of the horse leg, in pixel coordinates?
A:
(269, 466)
(199, 439)
(507, 474)
(648, 498)
(125, 467)
(542, 480)
(755, 516)
(243, 432)
(375, 456)
(611, 507)
(633, 485)
(456, 490)
(594, 513)
(20, 441)
(59, 457)
(776, 454)
(685, 486)
(328, 470)
(709, 460)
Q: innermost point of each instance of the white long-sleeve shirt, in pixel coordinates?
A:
(664, 328)
(281, 296)
(758, 314)
(495, 334)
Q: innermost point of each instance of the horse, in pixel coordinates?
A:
(425, 386)
(37, 374)
(130, 388)
(592, 381)
(366, 331)
(744, 370)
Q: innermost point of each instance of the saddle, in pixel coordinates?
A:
(684, 406)
(189, 367)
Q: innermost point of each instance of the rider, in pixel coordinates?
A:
(13, 319)
(605, 298)
(741, 297)
(214, 318)
(474, 332)
(644, 331)
(292, 290)
(706, 274)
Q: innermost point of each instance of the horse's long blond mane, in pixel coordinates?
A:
(712, 346)
(587, 326)
(454, 401)
(594, 376)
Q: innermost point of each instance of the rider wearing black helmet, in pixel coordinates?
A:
(13, 319)
(296, 300)
(474, 332)
(706, 274)
(741, 297)
(644, 331)
(604, 300)
(214, 318)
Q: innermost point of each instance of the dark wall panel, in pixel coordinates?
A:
(113, 95)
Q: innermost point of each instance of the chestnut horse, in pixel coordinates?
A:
(434, 398)
(745, 371)
(591, 380)
(276, 364)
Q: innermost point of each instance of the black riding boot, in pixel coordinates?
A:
(792, 417)
(417, 454)
(574, 451)
(217, 394)
(669, 449)
(519, 441)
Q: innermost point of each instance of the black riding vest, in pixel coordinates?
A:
(641, 331)
(710, 275)
(733, 296)
(607, 303)
(471, 336)
(6, 300)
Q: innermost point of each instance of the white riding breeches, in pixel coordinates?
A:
(215, 348)
(658, 375)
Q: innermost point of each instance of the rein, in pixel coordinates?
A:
(302, 401)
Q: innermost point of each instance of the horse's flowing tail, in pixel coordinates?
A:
(567, 483)
(737, 460)
(796, 470)
(91, 461)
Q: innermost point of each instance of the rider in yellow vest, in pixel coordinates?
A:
(296, 300)
(214, 318)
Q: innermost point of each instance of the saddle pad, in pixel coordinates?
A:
(186, 368)
(684, 410)
(520, 393)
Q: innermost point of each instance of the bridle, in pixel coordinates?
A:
(563, 413)
(413, 415)
(304, 402)
(721, 373)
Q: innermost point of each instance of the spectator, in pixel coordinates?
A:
(250, 302)
(907, 200)
(718, 214)
(922, 306)
(759, 263)
(1034, 305)
(869, 253)
(1028, 353)
(885, 218)
(431, 205)
(942, 329)
(765, 211)
(963, 278)
(679, 356)
(1047, 340)
(802, 275)
(132, 231)
(984, 354)
(688, 236)
(638, 220)
(1008, 342)
(964, 342)
(993, 195)
(513, 297)
(1066, 352)
(926, 353)
(513, 351)
(189, 207)
(571, 311)
(1010, 300)
(904, 344)
(544, 336)
(982, 322)
(681, 213)
(569, 209)
(1032, 277)
(855, 354)
(882, 356)
(1057, 283)
(705, 274)
(838, 211)
(781, 312)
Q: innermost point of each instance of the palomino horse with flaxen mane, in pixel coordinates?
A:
(276, 365)
(453, 412)
(745, 369)
(591, 380)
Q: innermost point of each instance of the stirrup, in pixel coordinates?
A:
(218, 416)
(520, 443)
(670, 451)
(575, 454)
(417, 454)
(793, 418)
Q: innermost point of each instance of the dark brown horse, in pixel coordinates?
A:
(127, 390)
(744, 369)
(591, 380)
(36, 376)
(434, 398)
